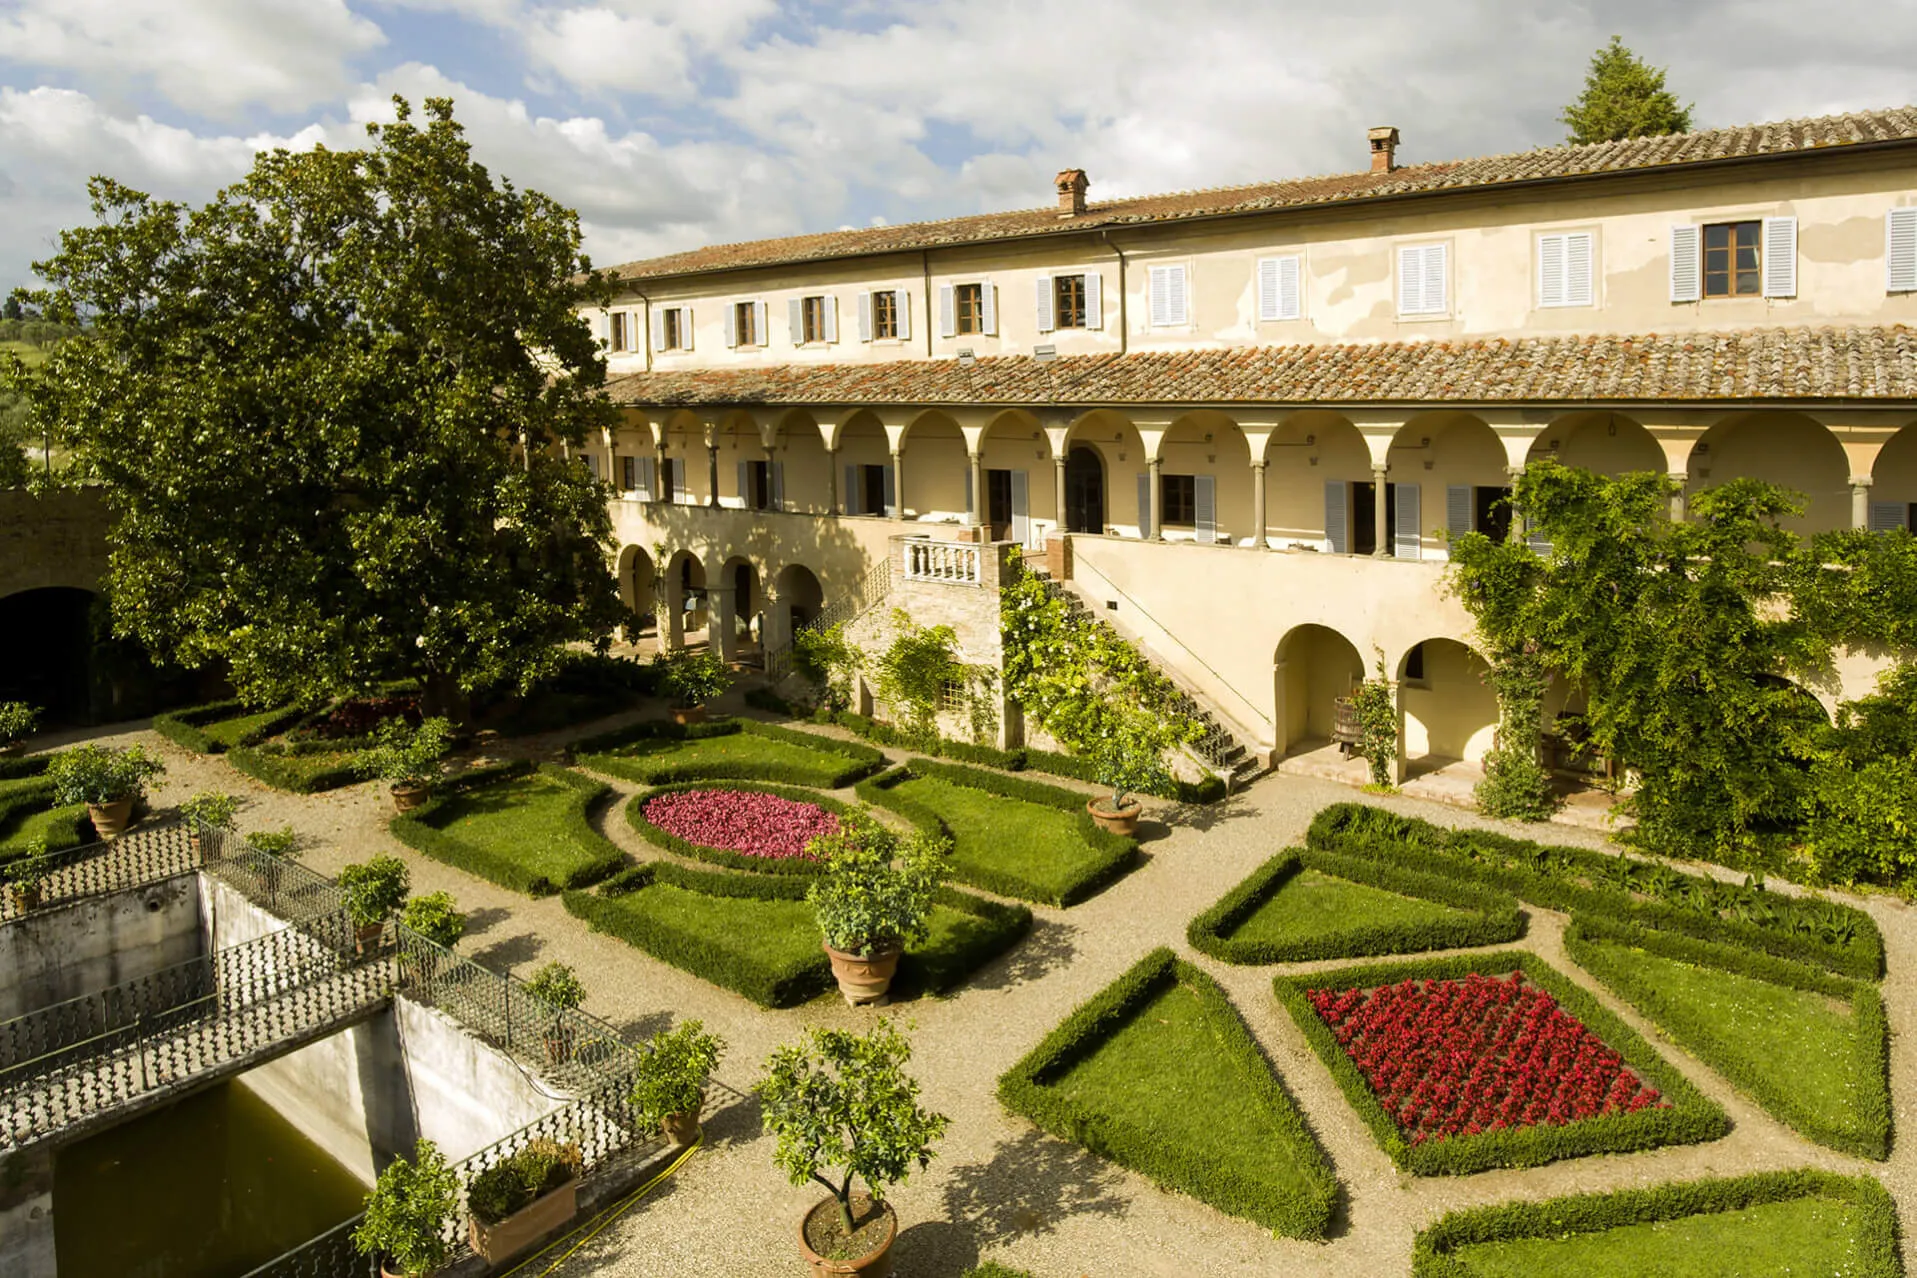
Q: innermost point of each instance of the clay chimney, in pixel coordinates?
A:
(1384, 148)
(1071, 192)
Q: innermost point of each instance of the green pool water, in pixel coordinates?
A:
(212, 1187)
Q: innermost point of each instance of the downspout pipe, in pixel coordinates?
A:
(1124, 320)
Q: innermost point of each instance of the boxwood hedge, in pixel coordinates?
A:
(841, 762)
(1867, 1137)
(636, 817)
(1690, 1117)
(187, 728)
(1492, 917)
(1578, 880)
(1025, 1089)
(1432, 1252)
(28, 794)
(420, 830)
(306, 767)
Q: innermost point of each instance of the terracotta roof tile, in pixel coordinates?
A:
(1899, 123)
(1861, 362)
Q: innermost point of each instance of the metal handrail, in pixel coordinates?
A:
(135, 859)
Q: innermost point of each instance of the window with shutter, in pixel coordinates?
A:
(863, 304)
(970, 301)
(1900, 251)
(659, 330)
(1437, 298)
(1550, 270)
(1044, 291)
(1888, 516)
(1267, 289)
(1068, 301)
(902, 313)
(732, 325)
(617, 340)
(1686, 271)
(795, 320)
(829, 304)
(1422, 280)
(685, 328)
(1458, 500)
(1733, 259)
(1407, 540)
(1094, 300)
(1780, 257)
(1280, 288)
(988, 308)
(851, 495)
(648, 478)
(1166, 285)
(1580, 276)
(948, 310)
(1205, 508)
(1337, 522)
(885, 315)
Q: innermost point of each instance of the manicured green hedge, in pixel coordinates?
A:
(1690, 1118)
(295, 769)
(636, 817)
(600, 753)
(1869, 1137)
(753, 975)
(26, 765)
(27, 795)
(1493, 920)
(418, 830)
(992, 1269)
(1114, 854)
(1023, 1089)
(187, 728)
(1593, 1213)
(1814, 931)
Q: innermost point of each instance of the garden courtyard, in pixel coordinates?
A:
(1239, 1039)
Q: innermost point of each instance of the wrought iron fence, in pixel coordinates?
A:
(330, 1255)
(274, 883)
(133, 860)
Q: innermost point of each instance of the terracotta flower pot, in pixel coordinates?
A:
(24, 897)
(558, 1044)
(864, 980)
(1118, 820)
(109, 819)
(408, 797)
(685, 716)
(681, 1129)
(874, 1264)
(366, 936)
(506, 1239)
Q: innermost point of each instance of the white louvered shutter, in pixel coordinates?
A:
(1291, 287)
(1094, 302)
(658, 330)
(1437, 298)
(948, 312)
(1900, 251)
(1044, 303)
(1337, 522)
(1421, 279)
(902, 307)
(1580, 274)
(648, 478)
(831, 304)
(1687, 274)
(1408, 537)
(685, 328)
(758, 325)
(1457, 509)
(1167, 288)
(1888, 516)
(988, 307)
(851, 496)
(1205, 508)
(680, 492)
(1267, 289)
(1780, 257)
(745, 485)
(732, 327)
(1551, 253)
(865, 317)
(795, 319)
(778, 485)
(1145, 504)
(1021, 514)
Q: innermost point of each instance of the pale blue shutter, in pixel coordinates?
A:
(988, 307)
(759, 334)
(1021, 517)
(685, 328)
(1337, 521)
(831, 304)
(852, 506)
(1094, 302)
(732, 327)
(778, 485)
(679, 489)
(795, 320)
(1407, 538)
(1687, 272)
(648, 478)
(1044, 303)
(948, 312)
(904, 311)
(864, 304)
(1457, 509)
(1205, 508)
(1888, 516)
(1145, 505)
(745, 485)
(659, 329)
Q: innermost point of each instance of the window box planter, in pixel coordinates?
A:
(502, 1241)
(876, 1263)
(865, 979)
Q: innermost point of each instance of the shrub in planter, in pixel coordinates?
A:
(18, 721)
(523, 1197)
(409, 759)
(407, 1212)
(560, 988)
(210, 810)
(1127, 756)
(874, 896)
(25, 876)
(108, 781)
(842, 1102)
(693, 678)
(669, 1084)
(435, 917)
(374, 890)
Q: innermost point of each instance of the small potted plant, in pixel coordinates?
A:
(408, 759)
(691, 679)
(208, 810)
(373, 890)
(277, 848)
(522, 1198)
(25, 876)
(874, 896)
(669, 1085)
(18, 721)
(106, 780)
(842, 1101)
(1128, 756)
(435, 917)
(407, 1212)
(559, 987)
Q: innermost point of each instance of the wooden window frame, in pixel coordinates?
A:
(672, 329)
(1169, 512)
(1731, 272)
(885, 315)
(968, 309)
(745, 324)
(812, 319)
(618, 332)
(1068, 301)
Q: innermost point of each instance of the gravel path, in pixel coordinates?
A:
(999, 1189)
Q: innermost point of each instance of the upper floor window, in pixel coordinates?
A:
(885, 315)
(745, 324)
(1424, 279)
(617, 337)
(672, 328)
(1731, 252)
(1565, 270)
(970, 300)
(1751, 257)
(1900, 250)
(1069, 301)
(1166, 287)
(813, 319)
(967, 309)
(1280, 291)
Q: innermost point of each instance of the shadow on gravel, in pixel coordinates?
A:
(935, 1249)
(1202, 817)
(1030, 1184)
(1046, 948)
(503, 956)
(485, 919)
(640, 1028)
(732, 1117)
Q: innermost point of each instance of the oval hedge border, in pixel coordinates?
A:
(600, 753)
(662, 838)
(419, 830)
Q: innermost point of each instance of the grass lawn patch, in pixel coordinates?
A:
(28, 813)
(219, 726)
(1771, 1224)
(1455, 1068)
(308, 767)
(529, 832)
(769, 861)
(755, 935)
(1159, 1074)
(1009, 835)
(658, 753)
(246, 729)
(1317, 905)
(1809, 1047)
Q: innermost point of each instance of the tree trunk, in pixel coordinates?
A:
(443, 697)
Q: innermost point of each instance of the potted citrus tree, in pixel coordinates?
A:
(18, 721)
(874, 896)
(691, 679)
(409, 759)
(1128, 755)
(841, 1102)
(406, 1214)
(25, 876)
(108, 781)
(373, 891)
(522, 1198)
(559, 987)
(278, 847)
(208, 810)
(669, 1083)
(435, 917)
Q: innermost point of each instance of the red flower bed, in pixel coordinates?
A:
(741, 821)
(1455, 1058)
(359, 717)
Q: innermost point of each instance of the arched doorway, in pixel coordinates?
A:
(683, 599)
(742, 629)
(1450, 710)
(1313, 667)
(46, 642)
(800, 597)
(636, 589)
(1084, 490)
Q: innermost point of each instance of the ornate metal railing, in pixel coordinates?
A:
(135, 859)
(872, 589)
(951, 563)
(282, 887)
(330, 1255)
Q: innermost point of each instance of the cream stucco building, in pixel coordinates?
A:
(1256, 413)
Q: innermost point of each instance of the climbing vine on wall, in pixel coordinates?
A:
(919, 672)
(1377, 726)
(1515, 783)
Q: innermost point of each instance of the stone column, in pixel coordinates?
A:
(898, 484)
(1679, 478)
(1860, 502)
(721, 632)
(1258, 538)
(832, 482)
(661, 472)
(975, 509)
(1058, 486)
(712, 473)
(772, 495)
(1520, 526)
(1381, 534)
(1154, 501)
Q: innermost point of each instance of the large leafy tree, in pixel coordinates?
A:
(327, 411)
(1624, 97)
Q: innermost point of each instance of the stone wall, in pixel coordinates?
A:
(53, 955)
(55, 540)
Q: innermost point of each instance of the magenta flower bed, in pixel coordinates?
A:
(742, 821)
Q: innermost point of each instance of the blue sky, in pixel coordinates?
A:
(674, 124)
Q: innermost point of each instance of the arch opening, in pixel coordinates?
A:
(1314, 667)
(1447, 702)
